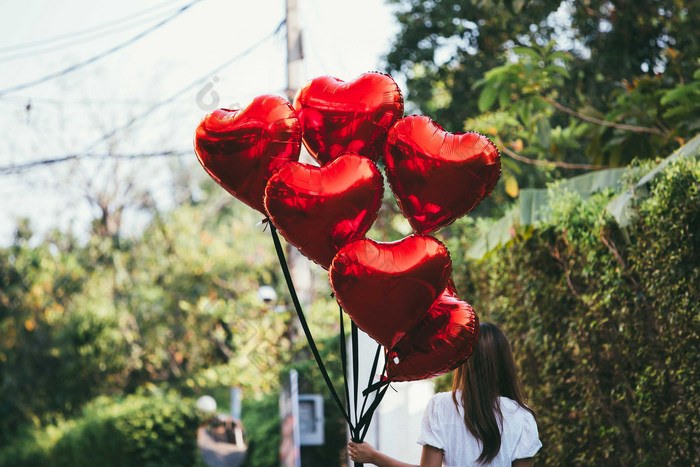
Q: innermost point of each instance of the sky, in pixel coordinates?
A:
(151, 93)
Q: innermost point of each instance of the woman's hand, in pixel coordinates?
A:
(362, 452)
(366, 454)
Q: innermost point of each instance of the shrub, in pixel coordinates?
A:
(261, 416)
(135, 430)
(605, 324)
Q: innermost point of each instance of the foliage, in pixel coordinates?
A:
(261, 414)
(575, 84)
(443, 47)
(136, 430)
(55, 354)
(443, 383)
(647, 117)
(261, 418)
(176, 307)
(605, 329)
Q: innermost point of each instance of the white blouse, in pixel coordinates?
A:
(443, 428)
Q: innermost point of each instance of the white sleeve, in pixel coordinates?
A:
(430, 429)
(529, 442)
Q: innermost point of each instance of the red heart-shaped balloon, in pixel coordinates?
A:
(241, 149)
(437, 176)
(338, 117)
(441, 342)
(386, 288)
(320, 209)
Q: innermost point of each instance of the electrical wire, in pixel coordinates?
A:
(87, 151)
(70, 157)
(81, 32)
(83, 102)
(114, 49)
(80, 40)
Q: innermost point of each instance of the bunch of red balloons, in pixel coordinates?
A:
(400, 293)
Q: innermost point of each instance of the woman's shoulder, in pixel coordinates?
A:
(512, 408)
(442, 401)
(508, 405)
(443, 396)
(446, 398)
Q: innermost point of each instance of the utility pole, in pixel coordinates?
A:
(299, 265)
(295, 50)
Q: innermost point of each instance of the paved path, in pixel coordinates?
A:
(218, 454)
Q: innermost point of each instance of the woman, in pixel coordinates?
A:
(483, 421)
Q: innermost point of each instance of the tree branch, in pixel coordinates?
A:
(563, 165)
(554, 251)
(597, 121)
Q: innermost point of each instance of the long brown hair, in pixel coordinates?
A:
(489, 373)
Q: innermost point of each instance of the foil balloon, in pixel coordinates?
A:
(442, 341)
(353, 116)
(320, 209)
(241, 149)
(437, 176)
(386, 288)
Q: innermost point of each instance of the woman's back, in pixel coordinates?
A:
(497, 431)
(443, 428)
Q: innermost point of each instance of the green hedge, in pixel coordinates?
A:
(605, 324)
(136, 430)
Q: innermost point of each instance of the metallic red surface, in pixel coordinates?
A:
(354, 116)
(437, 176)
(386, 288)
(320, 209)
(441, 342)
(241, 149)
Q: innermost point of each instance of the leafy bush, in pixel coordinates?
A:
(136, 430)
(605, 324)
(261, 419)
(261, 415)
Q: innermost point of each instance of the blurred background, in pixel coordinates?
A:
(97, 80)
(131, 285)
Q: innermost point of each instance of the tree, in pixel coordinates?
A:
(176, 306)
(580, 82)
(444, 47)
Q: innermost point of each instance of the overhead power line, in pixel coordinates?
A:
(114, 49)
(79, 40)
(87, 151)
(69, 35)
(70, 157)
(83, 101)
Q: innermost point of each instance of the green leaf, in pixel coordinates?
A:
(504, 97)
(511, 165)
(526, 51)
(539, 104)
(675, 111)
(487, 97)
(561, 56)
(544, 132)
(478, 83)
(559, 70)
(524, 111)
(496, 72)
(679, 93)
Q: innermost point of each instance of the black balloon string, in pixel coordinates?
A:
(304, 324)
(359, 428)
